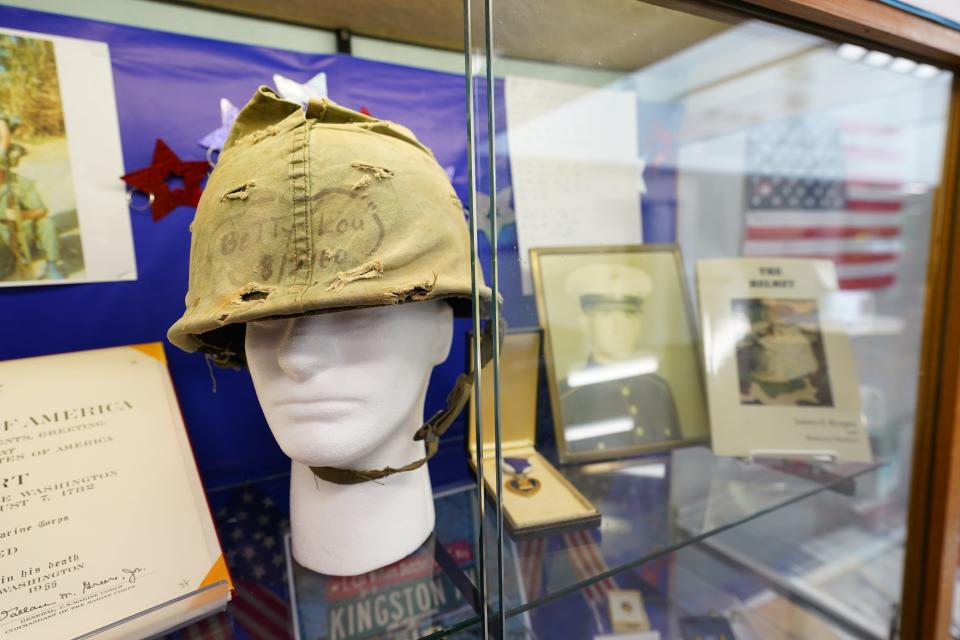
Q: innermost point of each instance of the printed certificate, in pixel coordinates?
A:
(102, 515)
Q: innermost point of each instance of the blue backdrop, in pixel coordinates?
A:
(169, 86)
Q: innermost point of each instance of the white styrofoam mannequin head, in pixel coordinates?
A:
(346, 390)
(335, 386)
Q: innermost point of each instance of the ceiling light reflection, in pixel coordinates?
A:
(656, 470)
(878, 59)
(925, 71)
(597, 373)
(598, 429)
(902, 65)
(642, 470)
(851, 52)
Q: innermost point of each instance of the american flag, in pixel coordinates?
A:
(816, 188)
(530, 560)
(251, 530)
(252, 527)
(588, 562)
(218, 627)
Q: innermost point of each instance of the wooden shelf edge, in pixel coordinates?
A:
(877, 22)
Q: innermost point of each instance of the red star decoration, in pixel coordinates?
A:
(165, 171)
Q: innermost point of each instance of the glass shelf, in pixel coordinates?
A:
(846, 567)
(432, 591)
(715, 128)
(429, 594)
(695, 588)
(652, 506)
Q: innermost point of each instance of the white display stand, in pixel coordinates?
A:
(346, 390)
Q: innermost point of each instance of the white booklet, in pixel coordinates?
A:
(105, 530)
(780, 375)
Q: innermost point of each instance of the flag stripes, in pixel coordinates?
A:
(816, 188)
(588, 563)
(263, 614)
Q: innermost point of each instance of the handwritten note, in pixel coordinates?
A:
(576, 174)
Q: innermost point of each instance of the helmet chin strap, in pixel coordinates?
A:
(431, 430)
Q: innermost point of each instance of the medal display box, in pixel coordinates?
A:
(537, 498)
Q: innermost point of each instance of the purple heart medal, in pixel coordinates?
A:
(520, 481)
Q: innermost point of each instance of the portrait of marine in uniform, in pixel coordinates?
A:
(39, 228)
(780, 358)
(625, 374)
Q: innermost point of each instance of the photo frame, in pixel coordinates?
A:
(621, 348)
(67, 217)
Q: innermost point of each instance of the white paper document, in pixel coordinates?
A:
(576, 173)
(102, 515)
(67, 219)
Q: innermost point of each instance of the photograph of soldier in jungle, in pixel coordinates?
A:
(39, 227)
(780, 359)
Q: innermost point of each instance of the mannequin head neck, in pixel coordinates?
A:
(346, 389)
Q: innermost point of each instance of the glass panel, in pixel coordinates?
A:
(955, 614)
(654, 504)
(482, 220)
(630, 142)
(429, 594)
(693, 592)
(826, 553)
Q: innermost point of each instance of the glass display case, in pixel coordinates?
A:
(644, 150)
(710, 384)
(614, 186)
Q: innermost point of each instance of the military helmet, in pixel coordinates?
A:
(14, 155)
(321, 211)
(13, 122)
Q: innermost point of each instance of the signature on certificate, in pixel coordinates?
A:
(19, 610)
(128, 576)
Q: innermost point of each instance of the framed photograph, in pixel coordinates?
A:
(64, 215)
(621, 350)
